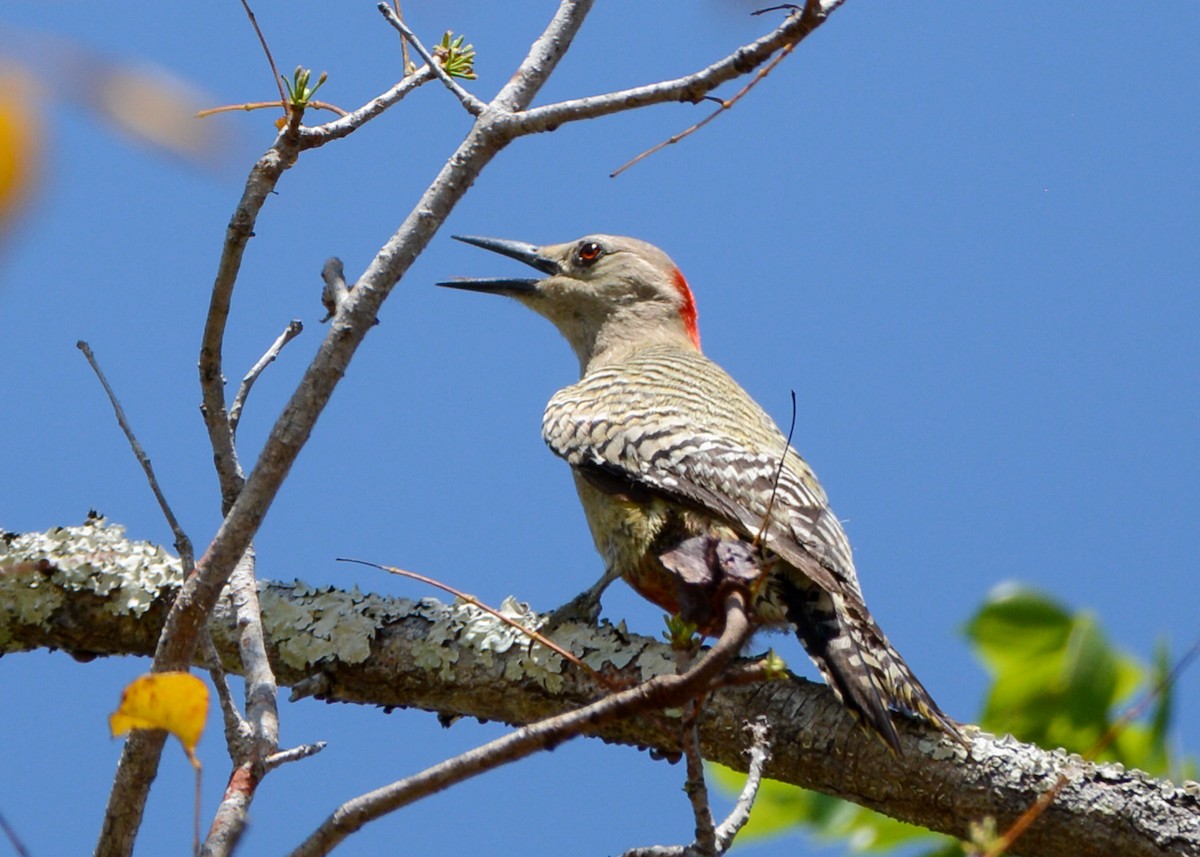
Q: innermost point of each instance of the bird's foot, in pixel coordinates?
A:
(583, 608)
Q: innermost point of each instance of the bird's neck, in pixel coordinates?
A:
(614, 343)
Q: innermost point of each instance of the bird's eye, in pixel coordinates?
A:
(588, 253)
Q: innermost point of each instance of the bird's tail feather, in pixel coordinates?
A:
(859, 663)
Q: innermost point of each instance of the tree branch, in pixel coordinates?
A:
(543, 56)
(692, 87)
(261, 182)
(182, 543)
(469, 102)
(293, 329)
(249, 752)
(89, 590)
(312, 137)
(655, 693)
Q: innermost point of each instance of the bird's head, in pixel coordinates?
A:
(606, 294)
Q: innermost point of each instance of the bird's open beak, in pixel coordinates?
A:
(527, 253)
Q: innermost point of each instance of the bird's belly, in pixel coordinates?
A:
(625, 534)
(632, 536)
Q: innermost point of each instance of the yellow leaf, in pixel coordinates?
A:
(174, 701)
(19, 136)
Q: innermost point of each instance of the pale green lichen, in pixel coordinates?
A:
(38, 570)
(311, 625)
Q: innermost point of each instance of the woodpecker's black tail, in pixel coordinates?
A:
(858, 662)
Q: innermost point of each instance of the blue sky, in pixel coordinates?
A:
(965, 234)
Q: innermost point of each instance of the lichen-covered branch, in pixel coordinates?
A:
(654, 694)
(90, 591)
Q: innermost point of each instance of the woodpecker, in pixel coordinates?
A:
(679, 471)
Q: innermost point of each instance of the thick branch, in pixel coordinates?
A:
(543, 56)
(88, 591)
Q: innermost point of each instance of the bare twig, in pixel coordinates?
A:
(710, 841)
(404, 58)
(692, 87)
(812, 12)
(295, 754)
(12, 837)
(333, 295)
(246, 107)
(659, 692)
(312, 137)
(469, 102)
(261, 182)
(261, 709)
(787, 445)
(293, 329)
(182, 543)
(759, 754)
(697, 790)
(283, 99)
(127, 797)
(237, 730)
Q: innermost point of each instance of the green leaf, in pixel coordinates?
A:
(457, 59)
(1016, 625)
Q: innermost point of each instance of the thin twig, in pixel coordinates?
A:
(283, 99)
(697, 790)
(759, 754)
(318, 135)
(333, 294)
(724, 106)
(265, 105)
(13, 839)
(659, 692)
(404, 58)
(469, 102)
(237, 730)
(294, 329)
(724, 834)
(295, 754)
(787, 445)
(182, 543)
(811, 14)
(136, 769)
(507, 620)
(263, 178)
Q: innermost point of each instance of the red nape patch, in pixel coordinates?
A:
(688, 310)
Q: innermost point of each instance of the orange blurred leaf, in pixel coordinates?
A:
(174, 701)
(19, 135)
